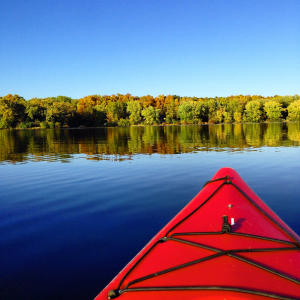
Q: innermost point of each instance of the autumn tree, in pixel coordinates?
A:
(12, 111)
(171, 112)
(88, 109)
(122, 110)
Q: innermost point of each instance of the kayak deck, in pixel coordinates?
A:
(226, 243)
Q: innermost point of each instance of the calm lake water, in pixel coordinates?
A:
(76, 205)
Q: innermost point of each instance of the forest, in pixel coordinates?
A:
(126, 110)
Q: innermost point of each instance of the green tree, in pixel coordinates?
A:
(215, 111)
(200, 109)
(98, 116)
(186, 112)
(134, 109)
(171, 112)
(219, 115)
(63, 99)
(294, 111)
(253, 111)
(233, 110)
(227, 117)
(273, 110)
(61, 112)
(35, 110)
(151, 115)
(115, 111)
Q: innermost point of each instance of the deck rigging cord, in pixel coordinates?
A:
(233, 253)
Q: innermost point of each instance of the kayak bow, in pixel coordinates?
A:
(225, 244)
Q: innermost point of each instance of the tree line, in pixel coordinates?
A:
(126, 110)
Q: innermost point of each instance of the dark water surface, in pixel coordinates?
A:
(77, 205)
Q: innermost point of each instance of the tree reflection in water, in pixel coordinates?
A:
(123, 143)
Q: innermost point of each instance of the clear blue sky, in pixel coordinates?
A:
(184, 47)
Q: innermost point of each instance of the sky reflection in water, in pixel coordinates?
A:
(67, 227)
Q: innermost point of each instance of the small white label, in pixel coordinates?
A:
(232, 221)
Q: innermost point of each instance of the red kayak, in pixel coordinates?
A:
(225, 244)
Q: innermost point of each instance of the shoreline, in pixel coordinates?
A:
(156, 125)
